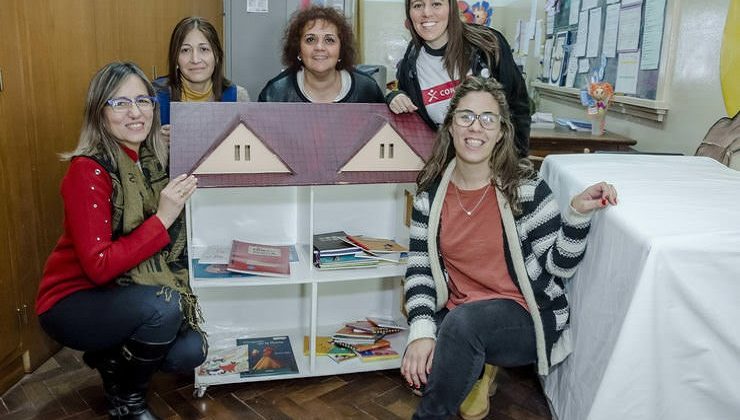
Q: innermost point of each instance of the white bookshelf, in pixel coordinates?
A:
(310, 302)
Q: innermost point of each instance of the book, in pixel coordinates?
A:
(351, 336)
(323, 345)
(376, 245)
(385, 323)
(333, 243)
(365, 325)
(385, 353)
(259, 259)
(359, 348)
(230, 361)
(269, 356)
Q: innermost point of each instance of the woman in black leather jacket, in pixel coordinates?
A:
(319, 52)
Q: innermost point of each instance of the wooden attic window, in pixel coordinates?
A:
(390, 151)
(382, 150)
(237, 152)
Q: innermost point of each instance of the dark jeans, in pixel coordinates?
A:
(499, 332)
(104, 318)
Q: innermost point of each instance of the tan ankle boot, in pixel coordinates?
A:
(476, 405)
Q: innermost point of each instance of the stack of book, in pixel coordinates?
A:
(332, 251)
(365, 340)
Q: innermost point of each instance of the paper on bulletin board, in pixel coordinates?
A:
(583, 65)
(575, 7)
(524, 39)
(550, 23)
(611, 26)
(589, 4)
(570, 75)
(257, 6)
(627, 70)
(629, 28)
(547, 57)
(581, 40)
(626, 3)
(594, 32)
(538, 38)
(652, 34)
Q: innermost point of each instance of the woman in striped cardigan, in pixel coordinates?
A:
(488, 255)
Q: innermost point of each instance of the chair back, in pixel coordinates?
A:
(722, 141)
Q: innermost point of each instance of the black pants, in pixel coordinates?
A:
(103, 318)
(497, 331)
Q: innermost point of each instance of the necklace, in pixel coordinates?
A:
(470, 212)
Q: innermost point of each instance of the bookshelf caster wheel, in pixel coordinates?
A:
(199, 392)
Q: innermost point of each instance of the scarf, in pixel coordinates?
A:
(191, 95)
(135, 198)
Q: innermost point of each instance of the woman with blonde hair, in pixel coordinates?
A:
(116, 284)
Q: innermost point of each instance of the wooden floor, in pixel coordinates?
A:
(64, 388)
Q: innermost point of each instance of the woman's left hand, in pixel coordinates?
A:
(596, 196)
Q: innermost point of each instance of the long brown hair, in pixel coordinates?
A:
(94, 134)
(294, 32)
(461, 38)
(182, 29)
(506, 166)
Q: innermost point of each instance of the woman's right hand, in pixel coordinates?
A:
(172, 198)
(417, 361)
(402, 103)
(165, 132)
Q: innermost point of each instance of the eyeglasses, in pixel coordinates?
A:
(123, 104)
(488, 120)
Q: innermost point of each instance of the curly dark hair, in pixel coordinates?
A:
(308, 17)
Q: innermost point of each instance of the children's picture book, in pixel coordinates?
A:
(259, 259)
(230, 361)
(269, 356)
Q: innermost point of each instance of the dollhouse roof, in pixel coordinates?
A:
(309, 144)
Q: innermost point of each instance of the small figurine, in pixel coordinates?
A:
(596, 100)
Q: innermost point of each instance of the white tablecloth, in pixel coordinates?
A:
(656, 301)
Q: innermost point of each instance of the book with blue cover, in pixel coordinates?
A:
(269, 356)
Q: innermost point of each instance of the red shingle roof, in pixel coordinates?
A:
(313, 140)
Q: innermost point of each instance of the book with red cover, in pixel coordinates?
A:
(259, 259)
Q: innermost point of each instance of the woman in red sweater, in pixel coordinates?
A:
(116, 284)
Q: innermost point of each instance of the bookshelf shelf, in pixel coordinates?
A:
(310, 302)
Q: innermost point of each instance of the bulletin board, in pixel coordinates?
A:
(642, 23)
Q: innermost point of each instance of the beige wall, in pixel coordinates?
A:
(384, 36)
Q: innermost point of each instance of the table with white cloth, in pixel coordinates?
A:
(655, 303)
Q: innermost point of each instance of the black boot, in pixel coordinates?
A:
(107, 363)
(139, 362)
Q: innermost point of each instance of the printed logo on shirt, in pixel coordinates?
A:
(439, 93)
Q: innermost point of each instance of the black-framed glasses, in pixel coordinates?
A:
(124, 104)
(488, 120)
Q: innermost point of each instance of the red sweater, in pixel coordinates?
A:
(86, 256)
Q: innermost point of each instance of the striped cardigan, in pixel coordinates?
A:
(541, 251)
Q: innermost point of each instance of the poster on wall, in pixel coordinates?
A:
(479, 12)
(559, 62)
